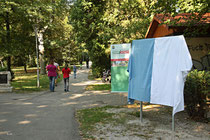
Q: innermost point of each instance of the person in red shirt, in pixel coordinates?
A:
(66, 71)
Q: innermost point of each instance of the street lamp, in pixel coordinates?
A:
(37, 52)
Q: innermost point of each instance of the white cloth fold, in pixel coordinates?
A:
(171, 63)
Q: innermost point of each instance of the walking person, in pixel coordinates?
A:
(75, 71)
(66, 71)
(58, 69)
(51, 70)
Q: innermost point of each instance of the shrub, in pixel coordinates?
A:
(196, 93)
(3, 69)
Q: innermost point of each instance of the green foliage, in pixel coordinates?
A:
(17, 36)
(98, 24)
(73, 31)
(3, 69)
(194, 6)
(181, 6)
(196, 92)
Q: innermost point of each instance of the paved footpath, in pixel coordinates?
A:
(51, 115)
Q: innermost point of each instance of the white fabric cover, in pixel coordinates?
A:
(171, 63)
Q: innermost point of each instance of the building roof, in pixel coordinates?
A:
(179, 20)
(183, 18)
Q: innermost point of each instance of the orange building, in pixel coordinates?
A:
(199, 46)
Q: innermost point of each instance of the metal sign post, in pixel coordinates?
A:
(173, 125)
(141, 118)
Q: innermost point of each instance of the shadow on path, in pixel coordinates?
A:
(51, 115)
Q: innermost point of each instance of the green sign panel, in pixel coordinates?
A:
(119, 63)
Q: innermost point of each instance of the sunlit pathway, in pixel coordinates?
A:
(51, 115)
(40, 116)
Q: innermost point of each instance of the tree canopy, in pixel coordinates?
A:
(75, 30)
(17, 21)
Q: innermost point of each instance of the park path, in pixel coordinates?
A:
(51, 115)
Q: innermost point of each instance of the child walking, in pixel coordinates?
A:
(66, 71)
(75, 71)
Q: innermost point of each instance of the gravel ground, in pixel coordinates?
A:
(156, 118)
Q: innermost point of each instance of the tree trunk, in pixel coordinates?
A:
(42, 64)
(87, 64)
(25, 68)
(8, 41)
(2, 64)
(32, 62)
(41, 53)
(9, 63)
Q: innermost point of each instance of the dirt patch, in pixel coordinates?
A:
(126, 125)
(125, 122)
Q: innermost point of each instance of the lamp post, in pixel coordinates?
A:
(37, 52)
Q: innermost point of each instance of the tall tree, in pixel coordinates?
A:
(8, 24)
(17, 19)
(97, 24)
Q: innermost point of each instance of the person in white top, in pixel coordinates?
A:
(58, 69)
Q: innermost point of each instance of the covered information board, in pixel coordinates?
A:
(119, 64)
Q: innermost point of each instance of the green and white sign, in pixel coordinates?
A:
(119, 63)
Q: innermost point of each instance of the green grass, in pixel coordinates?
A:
(99, 87)
(27, 82)
(88, 118)
(92, 77)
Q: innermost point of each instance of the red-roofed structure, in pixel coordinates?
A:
(159, 26)
(199, 46)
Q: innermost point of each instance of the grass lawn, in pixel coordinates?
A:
(91, 119)
(27, 82)
(88, 118)
(91, 76)
(99, 87)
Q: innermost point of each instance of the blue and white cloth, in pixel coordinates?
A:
(157, 69)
